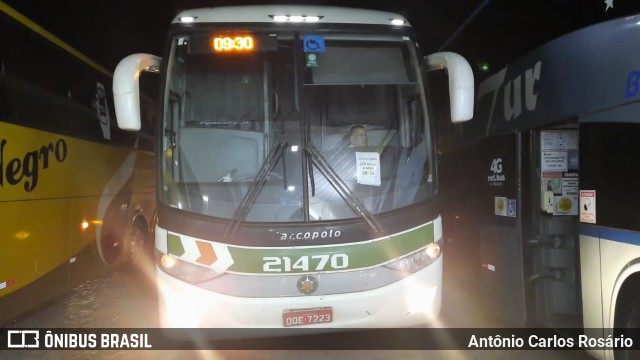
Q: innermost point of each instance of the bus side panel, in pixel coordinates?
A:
(83, 257)
(38, 261)
(35, 241)
(459, 222)
(51, 195)
(501, 252)
(481, 215)
(591, 291)
(590, 271)
(609, 157)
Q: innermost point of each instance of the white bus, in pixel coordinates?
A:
(547, 175)
(268, 215)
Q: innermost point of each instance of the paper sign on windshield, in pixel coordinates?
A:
(368, 167)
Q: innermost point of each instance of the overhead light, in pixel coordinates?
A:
(187, 19)
(295, 18)
(397, 22)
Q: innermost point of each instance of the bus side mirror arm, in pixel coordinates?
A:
(461, 86)
(126, 88)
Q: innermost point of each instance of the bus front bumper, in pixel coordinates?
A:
(413, 301)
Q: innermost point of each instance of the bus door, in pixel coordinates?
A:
(550, 193)
(497, 164)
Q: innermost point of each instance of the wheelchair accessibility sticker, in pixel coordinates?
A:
(313, 43)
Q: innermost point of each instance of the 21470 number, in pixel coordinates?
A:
(305, 263)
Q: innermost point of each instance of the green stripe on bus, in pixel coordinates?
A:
(174, 245)
(360, 255)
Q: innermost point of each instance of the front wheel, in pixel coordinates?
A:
(140, 243)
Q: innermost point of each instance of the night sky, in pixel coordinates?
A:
(495, 31)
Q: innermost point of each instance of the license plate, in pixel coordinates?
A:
(307, 316)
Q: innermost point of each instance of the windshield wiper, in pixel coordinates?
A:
(256, 186)
(341, 187)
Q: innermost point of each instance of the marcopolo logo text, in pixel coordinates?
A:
(308, 235)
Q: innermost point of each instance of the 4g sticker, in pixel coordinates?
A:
(497, 178)
(496, 166)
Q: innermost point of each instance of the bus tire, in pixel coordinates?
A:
(629, 316)
(139, 243)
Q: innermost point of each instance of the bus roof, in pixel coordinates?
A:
(266, 14)
(575, 75)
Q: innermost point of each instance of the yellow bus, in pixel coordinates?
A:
(75, 191)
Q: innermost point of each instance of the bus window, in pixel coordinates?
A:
(347, 88)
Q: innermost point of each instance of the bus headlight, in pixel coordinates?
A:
(193, 274)
(417, 260)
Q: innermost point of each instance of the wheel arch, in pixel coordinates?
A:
(625, 292)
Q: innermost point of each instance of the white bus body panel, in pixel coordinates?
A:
(591, 290)
(183, 305)
(414, 300)
(264, 13)
(605, 265)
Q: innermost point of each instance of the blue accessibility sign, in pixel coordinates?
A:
(313, 43)
(511, 207)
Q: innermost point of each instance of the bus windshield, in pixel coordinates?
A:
(285, 126)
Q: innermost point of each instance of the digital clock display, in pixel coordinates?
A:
(233, 43)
